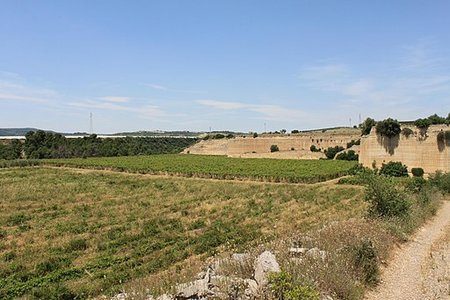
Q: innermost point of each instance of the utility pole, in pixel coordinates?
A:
(91, 126)
(350, 121)
(265, 129)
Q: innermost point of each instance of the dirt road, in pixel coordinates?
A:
(420, 269)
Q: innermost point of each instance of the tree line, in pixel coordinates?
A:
(41, 144)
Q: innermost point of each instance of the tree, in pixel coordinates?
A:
(274, 148)
(331, 152)
(389, 128)
(422, 123)
(255, 135)
(367, 125)
(294, 131)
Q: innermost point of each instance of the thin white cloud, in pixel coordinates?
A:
(14, 91)
(155, 86)
(223, 105)
(167, 89)
(146, 110)
(115, 99)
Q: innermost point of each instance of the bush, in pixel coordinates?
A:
(407, 132)
(274, 148)
(348, 155)
(394, 169)
(332, 151)
(255, 135)
(294, 131)
(367, 125)
(284, 286)
(366, 260)
(353, 142)
(388, 128)
(441, 181)
(417, 172)
(385, 199)
(422, 123)
(416, 184)
(313, 148)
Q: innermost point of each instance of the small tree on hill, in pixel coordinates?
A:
(367, 125)
(388, 128)
(274, 148)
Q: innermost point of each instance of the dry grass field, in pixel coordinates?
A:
(84, 233)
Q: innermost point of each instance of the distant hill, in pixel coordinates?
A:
(16, 131)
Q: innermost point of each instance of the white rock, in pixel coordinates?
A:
(121, 296)
(297, 250)
(265, 263)
(197, 288)
(252, 288)
(165, 297)
(240, 257)
(316, 253)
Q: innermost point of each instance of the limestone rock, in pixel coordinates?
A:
(265, 263)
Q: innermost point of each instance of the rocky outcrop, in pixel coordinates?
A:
(295, 146)
(416, 148)
(265, 264)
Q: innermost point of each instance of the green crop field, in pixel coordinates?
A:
(83, 233)
(219, 167)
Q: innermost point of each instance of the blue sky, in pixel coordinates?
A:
(175, 65)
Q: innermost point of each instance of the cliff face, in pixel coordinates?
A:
(255, 147)
(420, 149)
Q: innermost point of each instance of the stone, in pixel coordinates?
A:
(252, 288)
(297, 250)
(316, 253)
(265, 263)
(165, 297)
(196, 288)
(240, 257)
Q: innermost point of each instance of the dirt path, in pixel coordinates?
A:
(420, 269)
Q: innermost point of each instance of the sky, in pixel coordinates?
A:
(230, 65)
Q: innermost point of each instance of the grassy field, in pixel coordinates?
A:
(86, 232)
(219, 167)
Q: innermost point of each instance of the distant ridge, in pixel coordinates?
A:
(17, 131)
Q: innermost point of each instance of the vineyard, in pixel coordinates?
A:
(75, 234)
(218, 167)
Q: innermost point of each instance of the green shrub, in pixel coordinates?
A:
(366, 260)
(394, 169)
(313, 148)
(388, 128)
(353, 142)
(417, 172)
(441, 181)
(367, 125)
(274, 148)
(385, 199)
(332, 151)
(284, 286)
(415, 184)
(407, 132)
(422, 123)
(255, 135)
(348, 155)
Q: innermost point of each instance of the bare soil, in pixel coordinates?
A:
(420, 268)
